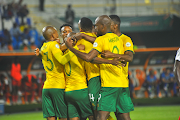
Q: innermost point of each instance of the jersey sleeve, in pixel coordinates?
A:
(98, 44)
(128, 45)
(58, 54)
(178, 55)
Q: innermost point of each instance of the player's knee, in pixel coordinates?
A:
(101, 116)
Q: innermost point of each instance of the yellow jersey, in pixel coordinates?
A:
(128, 46)
(92, 70)
(54, 70)
(111, 76)
(75, 74)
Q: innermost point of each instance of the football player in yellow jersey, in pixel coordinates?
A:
(112, 78)
(127, 105)
(92, 70)
(53, 89)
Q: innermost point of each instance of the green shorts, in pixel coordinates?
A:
(78, 103)
(53, 103)
(115, 100)
(94, 86)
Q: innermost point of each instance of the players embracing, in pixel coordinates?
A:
(111, 73)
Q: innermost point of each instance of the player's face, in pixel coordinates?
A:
(98, 27)
(112, 27)
(65, 31)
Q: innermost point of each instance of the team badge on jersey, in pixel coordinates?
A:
(128, 44)
(95, 44)
(57, 46)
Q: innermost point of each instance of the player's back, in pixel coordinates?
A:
(92, 70)
(54, 70)
(111, 76)
(75, 74)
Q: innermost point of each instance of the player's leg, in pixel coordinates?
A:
(123, 116)
(106, 102)
(124, 104)
(47, 105)
(94, 86)
(60, 107)
(102, 115)
(78, 104)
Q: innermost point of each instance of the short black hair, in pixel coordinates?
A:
(86, 24)
(66, 24)
(115, 19)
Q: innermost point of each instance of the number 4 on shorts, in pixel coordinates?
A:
(91, 97)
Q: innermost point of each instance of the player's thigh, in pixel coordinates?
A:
(107, 99)
(47, 105)
(58, 97)
(53, 103)
(124, 103)
(94, 86)
(78, 101)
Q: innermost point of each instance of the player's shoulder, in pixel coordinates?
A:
(54, 44)
(125, 37)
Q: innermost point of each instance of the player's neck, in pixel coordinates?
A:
(118, 33)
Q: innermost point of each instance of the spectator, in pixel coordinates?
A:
(41, 5)
(151, 83)
(168, 81)
(23, 12)
(15, 31)
(69, 15)
(16, 79)
(5, 85)
(7, 12)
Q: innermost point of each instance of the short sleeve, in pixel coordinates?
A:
(97, 45)
(128, 44)
(178, 55)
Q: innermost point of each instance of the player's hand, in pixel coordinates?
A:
(36, 51)
(81, 47)
(107, 54)
(116, 62)
(69, 42)
(78, 36)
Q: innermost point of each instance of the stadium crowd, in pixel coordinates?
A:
(22, 36)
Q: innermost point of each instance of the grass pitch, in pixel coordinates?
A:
(139, 113)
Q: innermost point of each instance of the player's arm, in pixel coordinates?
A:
(58, 54)
(79, 36)
(37, 53)
(87, 57)
(177, 72)
(127, 56)
(91, 56)
(115, 61)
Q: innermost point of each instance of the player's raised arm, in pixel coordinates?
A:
(79, 36)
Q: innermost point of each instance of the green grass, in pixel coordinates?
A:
(139, 113)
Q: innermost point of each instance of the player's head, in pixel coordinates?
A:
(71, 34)
(85, 25)
(102, 25)
(65, 29)
(115, 22)
(50, 33)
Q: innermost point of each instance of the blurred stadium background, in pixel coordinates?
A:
(153, 26)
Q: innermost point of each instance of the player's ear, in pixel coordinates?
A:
(53, 35)
(116, 26)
